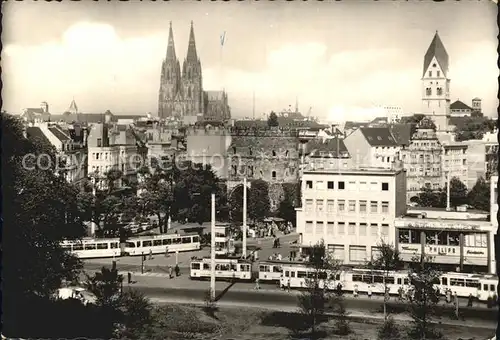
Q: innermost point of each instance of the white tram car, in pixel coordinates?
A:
(487, 288)
(272, 271)
(99, 248)
(158, 244)
(225, 269)
(93, 248)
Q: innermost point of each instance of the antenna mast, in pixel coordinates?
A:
(253, 106)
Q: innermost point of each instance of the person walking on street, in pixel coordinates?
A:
(177, 270)
(288, 286)
(257, 287)
(166, 251)
(469, 302)
(355, 292)
(170, 272)
(150, 254)
(278, 242)
(370, 291)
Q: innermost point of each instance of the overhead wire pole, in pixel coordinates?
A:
(212, 251)
(244, 235)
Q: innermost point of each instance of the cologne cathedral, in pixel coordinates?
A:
(181, 90)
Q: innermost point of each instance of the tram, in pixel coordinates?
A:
(225, 269)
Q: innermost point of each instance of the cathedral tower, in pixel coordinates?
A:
(170, 81)
(192, 80)
(436, 84)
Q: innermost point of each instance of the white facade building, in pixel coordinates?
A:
(454, 162)
(350, 210)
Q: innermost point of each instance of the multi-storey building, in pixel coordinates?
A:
(454, 162)
(181, 93)
(113, 150)
(268, 154)
(325, 153)
(208, 145)
(453, 240)
(422, 159)
(373, 147)
(70, 145)
(351, 210)
(436, 85)
(36, 115)
(460, 109)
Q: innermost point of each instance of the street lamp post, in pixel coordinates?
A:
(244, 235)
(212, 251)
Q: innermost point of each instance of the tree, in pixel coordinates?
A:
(316, 298)
(430, 198)
(479, 196)
(389, 330)
(458, 192)
(258, 200)
(473, 128)
(286, 211)
(423, 305)
(136, 315)
(387, 260)
(106, 286)
(41, 211)
(272, 121)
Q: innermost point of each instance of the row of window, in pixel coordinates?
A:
(349, 228)
(443, 238)
(351, 185)
(356, 253)
(104, 169)
(249, 171)
(352, 206)
(439, 91)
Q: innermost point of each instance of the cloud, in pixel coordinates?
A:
(102, 70)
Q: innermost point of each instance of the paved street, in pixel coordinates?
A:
(160, 263)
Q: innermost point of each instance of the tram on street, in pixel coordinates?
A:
(88, 248)
(225, 269)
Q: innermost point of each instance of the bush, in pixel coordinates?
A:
(389, 330)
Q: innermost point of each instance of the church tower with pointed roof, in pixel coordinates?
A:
(436, 84)
(192, 80)
(181, 90)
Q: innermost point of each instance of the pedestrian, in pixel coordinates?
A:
(400, 293)
(455, 297)
(129, 277)
(339, 289)
(469, 302)
(288, 285)
(370, 291)
(278, 242)
(166, 251)
(177, 270)
(355, 292)
(150, 254)
(257, 287)
(170, 273)
(448, 296)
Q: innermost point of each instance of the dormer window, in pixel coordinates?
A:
(379, 138)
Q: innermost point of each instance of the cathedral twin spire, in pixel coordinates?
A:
(192, 56)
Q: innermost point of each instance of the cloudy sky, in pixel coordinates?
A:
(340, 59)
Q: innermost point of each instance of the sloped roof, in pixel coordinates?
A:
(59, 134)
(378, 136)
(331, 148)
(402, 133)
(436, 49)
(35, 110)
(354, 125)
(379, 120)
(35, 133)
(458, 105)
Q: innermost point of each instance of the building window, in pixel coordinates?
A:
(97, 155)
(385, 207)
(273, 174)
(362, 206)
(99, 142)
(352, 206)
(250, 152)
(374, 207)
(341, 228)
(319, 206)
(309, 184)
(352, 228)
(319, 227)
(362, 229)
(309, 205)
(385, 186)
(357, 253)
(320, 185)
(341, 185)
(331, 206)
(309, 227)
(439, 91)
(330, 185)
(430, 73)
(374, 229)
(385, 230)
(438, 73)
(329, 228)
(363, 186)
(428, 92)
(274, 153)
(341, 206)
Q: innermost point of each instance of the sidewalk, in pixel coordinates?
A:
(352, 314)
